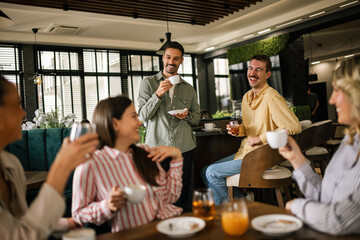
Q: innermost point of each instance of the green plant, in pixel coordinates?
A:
(142, 133)
(302, 112)
(270, 46)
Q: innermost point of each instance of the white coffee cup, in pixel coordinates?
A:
(135, 193)
(80, 234)
(209, 126)
(277, 139)
(174, 79)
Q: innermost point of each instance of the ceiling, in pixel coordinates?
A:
(104, 24)
(193, 12)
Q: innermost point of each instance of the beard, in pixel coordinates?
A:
(171, 70)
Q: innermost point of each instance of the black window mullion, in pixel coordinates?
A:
(193, 72)
(71, 87)
(131, 77)
(97, 77)
(108, 71)
(55, 87)
(82, 84)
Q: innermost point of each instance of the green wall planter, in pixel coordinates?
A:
(270, 46)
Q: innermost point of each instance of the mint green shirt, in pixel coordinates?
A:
(161, 127)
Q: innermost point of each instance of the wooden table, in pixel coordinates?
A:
(34, 179)
(213, 229)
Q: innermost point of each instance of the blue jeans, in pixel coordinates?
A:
(214, 176)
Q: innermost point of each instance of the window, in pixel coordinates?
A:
(61, 86)
(10, 64)
(222, 84)
(140, 66)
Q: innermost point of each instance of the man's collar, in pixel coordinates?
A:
(266, 86)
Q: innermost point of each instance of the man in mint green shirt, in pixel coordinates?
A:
(157, 96)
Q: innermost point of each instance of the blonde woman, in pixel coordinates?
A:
(331, 204)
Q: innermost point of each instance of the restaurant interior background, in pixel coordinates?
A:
(84, 54)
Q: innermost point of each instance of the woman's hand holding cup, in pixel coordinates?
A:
(117, 199)
(292, 152)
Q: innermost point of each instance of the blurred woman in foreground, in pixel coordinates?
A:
(331, 204)
(98, 185)
(17, 221)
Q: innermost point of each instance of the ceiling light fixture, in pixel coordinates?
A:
(288, 23)
(5, 21)
(264, 31)
(229, 42)
(209, 48)
(167, 34)
(36, 77)
(317, 14)
(351, 55)
(317, 62)
(248, 36)
(347, 4)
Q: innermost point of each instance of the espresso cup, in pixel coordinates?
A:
(277, 139)
(80, 234)
(135, 193)
(174, 79)
(209, 126)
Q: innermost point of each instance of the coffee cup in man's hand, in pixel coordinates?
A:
(174, 79)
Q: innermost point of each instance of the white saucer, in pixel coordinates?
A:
(210, 130)
(276, 224)
(181, 227)
(177, 111)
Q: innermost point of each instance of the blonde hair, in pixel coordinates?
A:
(347, 78)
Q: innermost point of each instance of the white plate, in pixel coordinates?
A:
(276, 224)
(210, 130)
(177, 111)
(181, 227)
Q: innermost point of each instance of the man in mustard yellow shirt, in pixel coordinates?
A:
(263, 109)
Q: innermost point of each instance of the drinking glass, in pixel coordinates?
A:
(234, 217)
(79, 129)
(235, 126)
(203, 204)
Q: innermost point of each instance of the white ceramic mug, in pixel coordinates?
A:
(135, 193)
(174, 79)
(277, 139)
(80, 234)
(209, 126)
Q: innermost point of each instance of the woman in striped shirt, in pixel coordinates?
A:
(98, 185)
(331, 204)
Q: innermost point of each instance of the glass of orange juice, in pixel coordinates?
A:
(234, 217)
(203, 204)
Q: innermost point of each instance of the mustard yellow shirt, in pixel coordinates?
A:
(266, 111)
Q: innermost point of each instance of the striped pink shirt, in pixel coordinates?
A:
(109, 167)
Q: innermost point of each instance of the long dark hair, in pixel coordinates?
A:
(114, 107)
(4, 88)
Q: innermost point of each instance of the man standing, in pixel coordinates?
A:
(157, 96)
(313, 103)
(263, 109)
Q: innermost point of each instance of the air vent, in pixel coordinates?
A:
(64, 29)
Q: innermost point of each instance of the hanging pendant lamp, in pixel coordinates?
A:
(167, 34)
(36, 77)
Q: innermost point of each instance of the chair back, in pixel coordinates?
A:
(305, 138)
(322, 132)
(255, 163)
